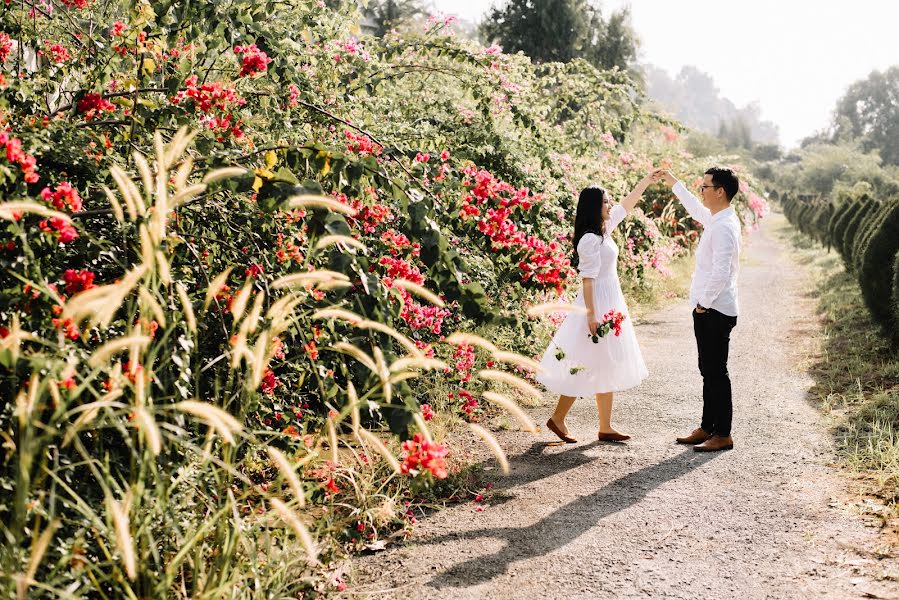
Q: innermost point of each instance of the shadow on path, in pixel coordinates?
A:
(564, 525)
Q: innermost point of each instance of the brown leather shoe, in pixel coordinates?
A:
(612, 437)
(716, 443)
(698, 436)
(562, 436)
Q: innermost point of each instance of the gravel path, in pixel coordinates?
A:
(770, 519)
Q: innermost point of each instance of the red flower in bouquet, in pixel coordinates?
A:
(611, 321)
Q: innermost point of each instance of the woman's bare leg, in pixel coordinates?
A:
(562, 408)
(604, 406)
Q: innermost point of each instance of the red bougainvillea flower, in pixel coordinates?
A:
(92, 105)
(254, 60)
(79, 4)
(421, 455)
(64, 197)
(269, 382)
(61, 228)
(15, 155)
(78, 280)
(118, 29)
(427, 412)
(56, 52)
(6, 46)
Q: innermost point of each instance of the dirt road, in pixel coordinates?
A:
(770, 519)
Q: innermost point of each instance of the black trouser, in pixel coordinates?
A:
(712, 330)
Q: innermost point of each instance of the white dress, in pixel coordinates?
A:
(572, 364)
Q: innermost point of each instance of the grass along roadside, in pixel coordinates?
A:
(856, 378)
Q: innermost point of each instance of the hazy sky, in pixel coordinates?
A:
(795, 57)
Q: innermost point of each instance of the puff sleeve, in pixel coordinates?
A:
(589, 259)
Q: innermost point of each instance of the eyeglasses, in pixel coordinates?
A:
(702, 187)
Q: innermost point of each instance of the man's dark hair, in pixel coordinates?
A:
(727, 179)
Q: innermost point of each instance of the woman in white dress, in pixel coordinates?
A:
(573, 364)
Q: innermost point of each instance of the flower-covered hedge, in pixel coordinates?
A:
(240, 244)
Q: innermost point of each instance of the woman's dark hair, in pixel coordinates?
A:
(588, 218)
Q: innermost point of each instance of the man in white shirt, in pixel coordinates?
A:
(713, 295)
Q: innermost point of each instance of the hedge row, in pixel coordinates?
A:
(865, 231)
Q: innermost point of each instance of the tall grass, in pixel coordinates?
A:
(118, 484)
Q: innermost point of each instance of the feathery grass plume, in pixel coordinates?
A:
(403, 340)
(291, 518)
(261, 356)
(288, 472)
(518, 359)
(159, 146)
(123, 540)
(494, 446)
(333, 285)
(313, 277)
(119, 176)
(215, 286)
(332, 441)
(133, 200)
(179, 143)
(10, 211)
(186, 193)
(102, 354)
(37, 555)
(355, 417)
(25, 401)
(370, 438)
(420, 291)
(527, 424)
(240, 351)
(251, 323)
(422, 426)
(149, 429)
(153, 305)
(223, 173)
(281, 313)
(469, 339)
(513, 380)
(312, 201)
(342, 240)
(145, 174)
(415, 362)
(187, 306)
(14, 339)
(549, 308)
(338, 313)
(241, 298)
(355, 352)
(216, 418)
(99, 305)
(53, 387)
(162, 266)
(383, 373)
(114, 203)
(147, 246)
(183, 173)
(89, 412)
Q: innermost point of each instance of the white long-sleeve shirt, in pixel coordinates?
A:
(714, 282)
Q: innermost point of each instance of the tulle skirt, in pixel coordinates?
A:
(574, 366)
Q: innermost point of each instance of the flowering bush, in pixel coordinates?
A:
(240, 251)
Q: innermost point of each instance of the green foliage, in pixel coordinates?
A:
(562, 30)
(869, 114)
(875, 269)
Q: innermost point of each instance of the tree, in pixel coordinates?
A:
(869, 113)
(561, 30)
(385, 15)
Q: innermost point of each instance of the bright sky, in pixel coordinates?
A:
(795, 57)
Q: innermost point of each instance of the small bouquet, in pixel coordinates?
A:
(611, 321)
